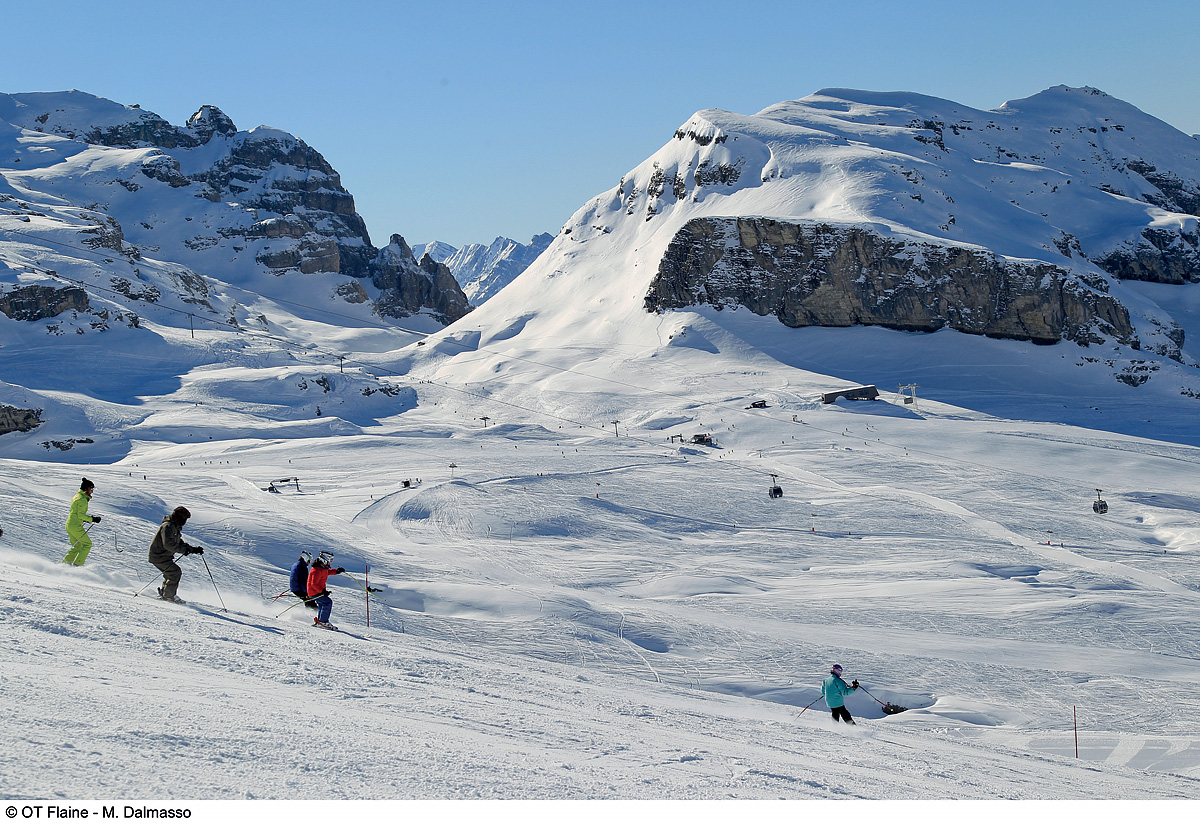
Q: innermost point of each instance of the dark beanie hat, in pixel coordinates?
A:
(87, 485)
(180, 514)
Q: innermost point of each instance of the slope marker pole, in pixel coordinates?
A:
(1075, 719)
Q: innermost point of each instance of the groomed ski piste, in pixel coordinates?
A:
(576, 611)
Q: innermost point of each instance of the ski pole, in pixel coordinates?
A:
(864, 690)
(214, 583)
(135, 595)
(370, 590)
(888, 707)
(809, 705)
(290, 606)
(262, 593)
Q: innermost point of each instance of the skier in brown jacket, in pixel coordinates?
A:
(167, 542)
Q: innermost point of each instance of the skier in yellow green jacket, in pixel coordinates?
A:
(81, 542)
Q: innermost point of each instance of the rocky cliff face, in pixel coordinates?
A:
(822, 275)
(408, 286)
(36, 302)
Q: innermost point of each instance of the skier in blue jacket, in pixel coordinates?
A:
(835, 690)
(298, 583)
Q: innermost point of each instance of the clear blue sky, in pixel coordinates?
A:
(461, 121)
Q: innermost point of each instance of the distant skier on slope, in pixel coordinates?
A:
(167, 542)
(298, 583)
(81, 542)
(317, 578)
(835, 690)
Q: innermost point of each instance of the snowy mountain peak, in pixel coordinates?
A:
(437, 250)
(111, 217)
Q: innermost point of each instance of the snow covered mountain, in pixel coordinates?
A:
(1067, 219)
(131, 245)
(118, 193)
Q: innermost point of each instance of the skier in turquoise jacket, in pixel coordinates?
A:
(81, 542)
(835, 690)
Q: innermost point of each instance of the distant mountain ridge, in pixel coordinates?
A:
(485, 270)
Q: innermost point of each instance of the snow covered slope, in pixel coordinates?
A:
(565, 614)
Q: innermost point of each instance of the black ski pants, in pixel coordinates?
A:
(840, 714)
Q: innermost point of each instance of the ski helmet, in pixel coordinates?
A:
(836, 670)
(180, 514)
(306, 557)
(326, 558)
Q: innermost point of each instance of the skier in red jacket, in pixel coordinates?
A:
(317, 592)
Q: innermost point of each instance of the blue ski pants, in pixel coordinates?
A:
(324, 607)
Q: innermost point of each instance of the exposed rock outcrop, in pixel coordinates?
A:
(35, 302)
(275, 173)
(1164, 256)
(407, 287)
(823, 275)
(14, 420)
